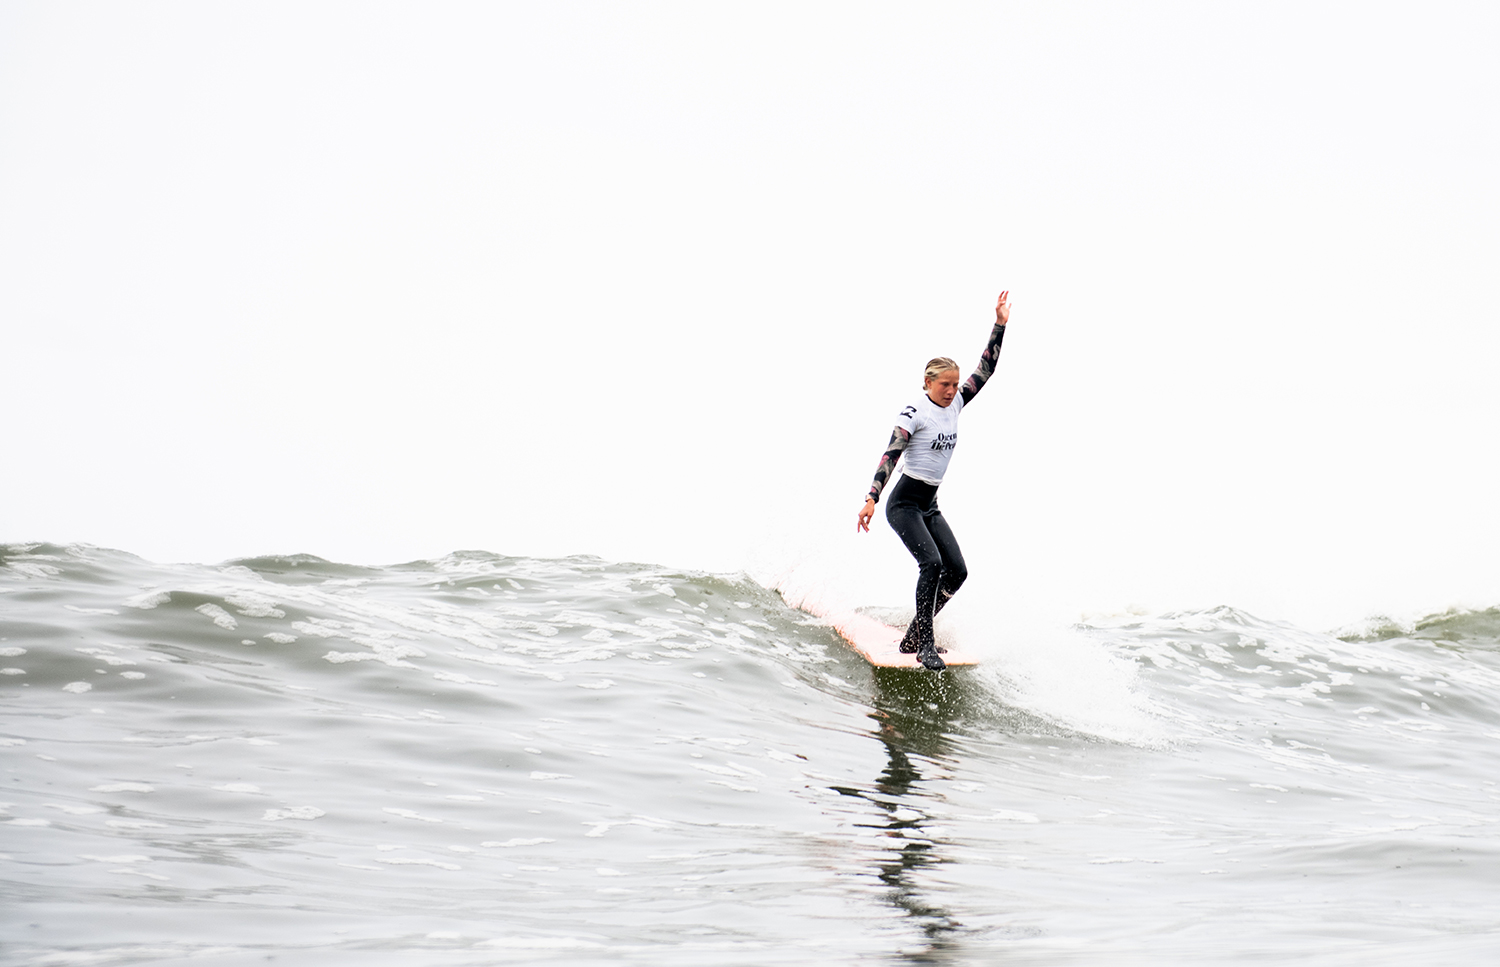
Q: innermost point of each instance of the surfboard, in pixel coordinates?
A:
(879, 644)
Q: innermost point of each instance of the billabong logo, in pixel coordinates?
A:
(909, 411)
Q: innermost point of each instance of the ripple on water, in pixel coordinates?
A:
(481, 753)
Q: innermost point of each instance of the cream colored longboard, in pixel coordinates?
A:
(879, 644)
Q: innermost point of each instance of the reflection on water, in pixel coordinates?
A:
(915, 715)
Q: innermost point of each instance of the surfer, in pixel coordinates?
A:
(927, 432)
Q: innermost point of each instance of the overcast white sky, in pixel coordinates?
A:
(650, 281)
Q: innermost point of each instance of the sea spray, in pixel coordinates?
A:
(1034, 661)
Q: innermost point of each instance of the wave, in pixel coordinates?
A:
(575, 755)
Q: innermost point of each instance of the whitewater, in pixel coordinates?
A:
(483, 759)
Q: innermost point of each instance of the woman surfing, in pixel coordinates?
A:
(927, 432)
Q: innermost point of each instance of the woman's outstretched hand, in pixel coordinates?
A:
(865, 515)
(1002, 309)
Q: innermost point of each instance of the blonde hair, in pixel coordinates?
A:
(935, 368)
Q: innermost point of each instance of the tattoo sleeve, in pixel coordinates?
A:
(899, 439)
(986, 368)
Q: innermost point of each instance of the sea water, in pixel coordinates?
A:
(486, 760)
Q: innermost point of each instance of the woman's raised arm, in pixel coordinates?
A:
(986, 368)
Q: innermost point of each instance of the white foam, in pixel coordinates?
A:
(253, 605)
(343, 657)
(220, 617)
(406, 861)
(123, 787)
(238, 787)
(148, 600)
(295, 812)
(509, 661)
(34, 570)
(540, 943)
(600, 827)
(77, 688)
(320, 629)
(106, 656)
(1059, 673)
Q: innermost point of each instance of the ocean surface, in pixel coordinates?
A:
(490, 760)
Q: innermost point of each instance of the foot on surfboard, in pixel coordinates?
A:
(930, 659)
(909, 646)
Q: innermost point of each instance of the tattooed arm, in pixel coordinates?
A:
(986, 368)
(899, 439)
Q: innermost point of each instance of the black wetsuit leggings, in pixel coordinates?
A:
(913, 514)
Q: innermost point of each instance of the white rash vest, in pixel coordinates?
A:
(926, 433)
(934, 434)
